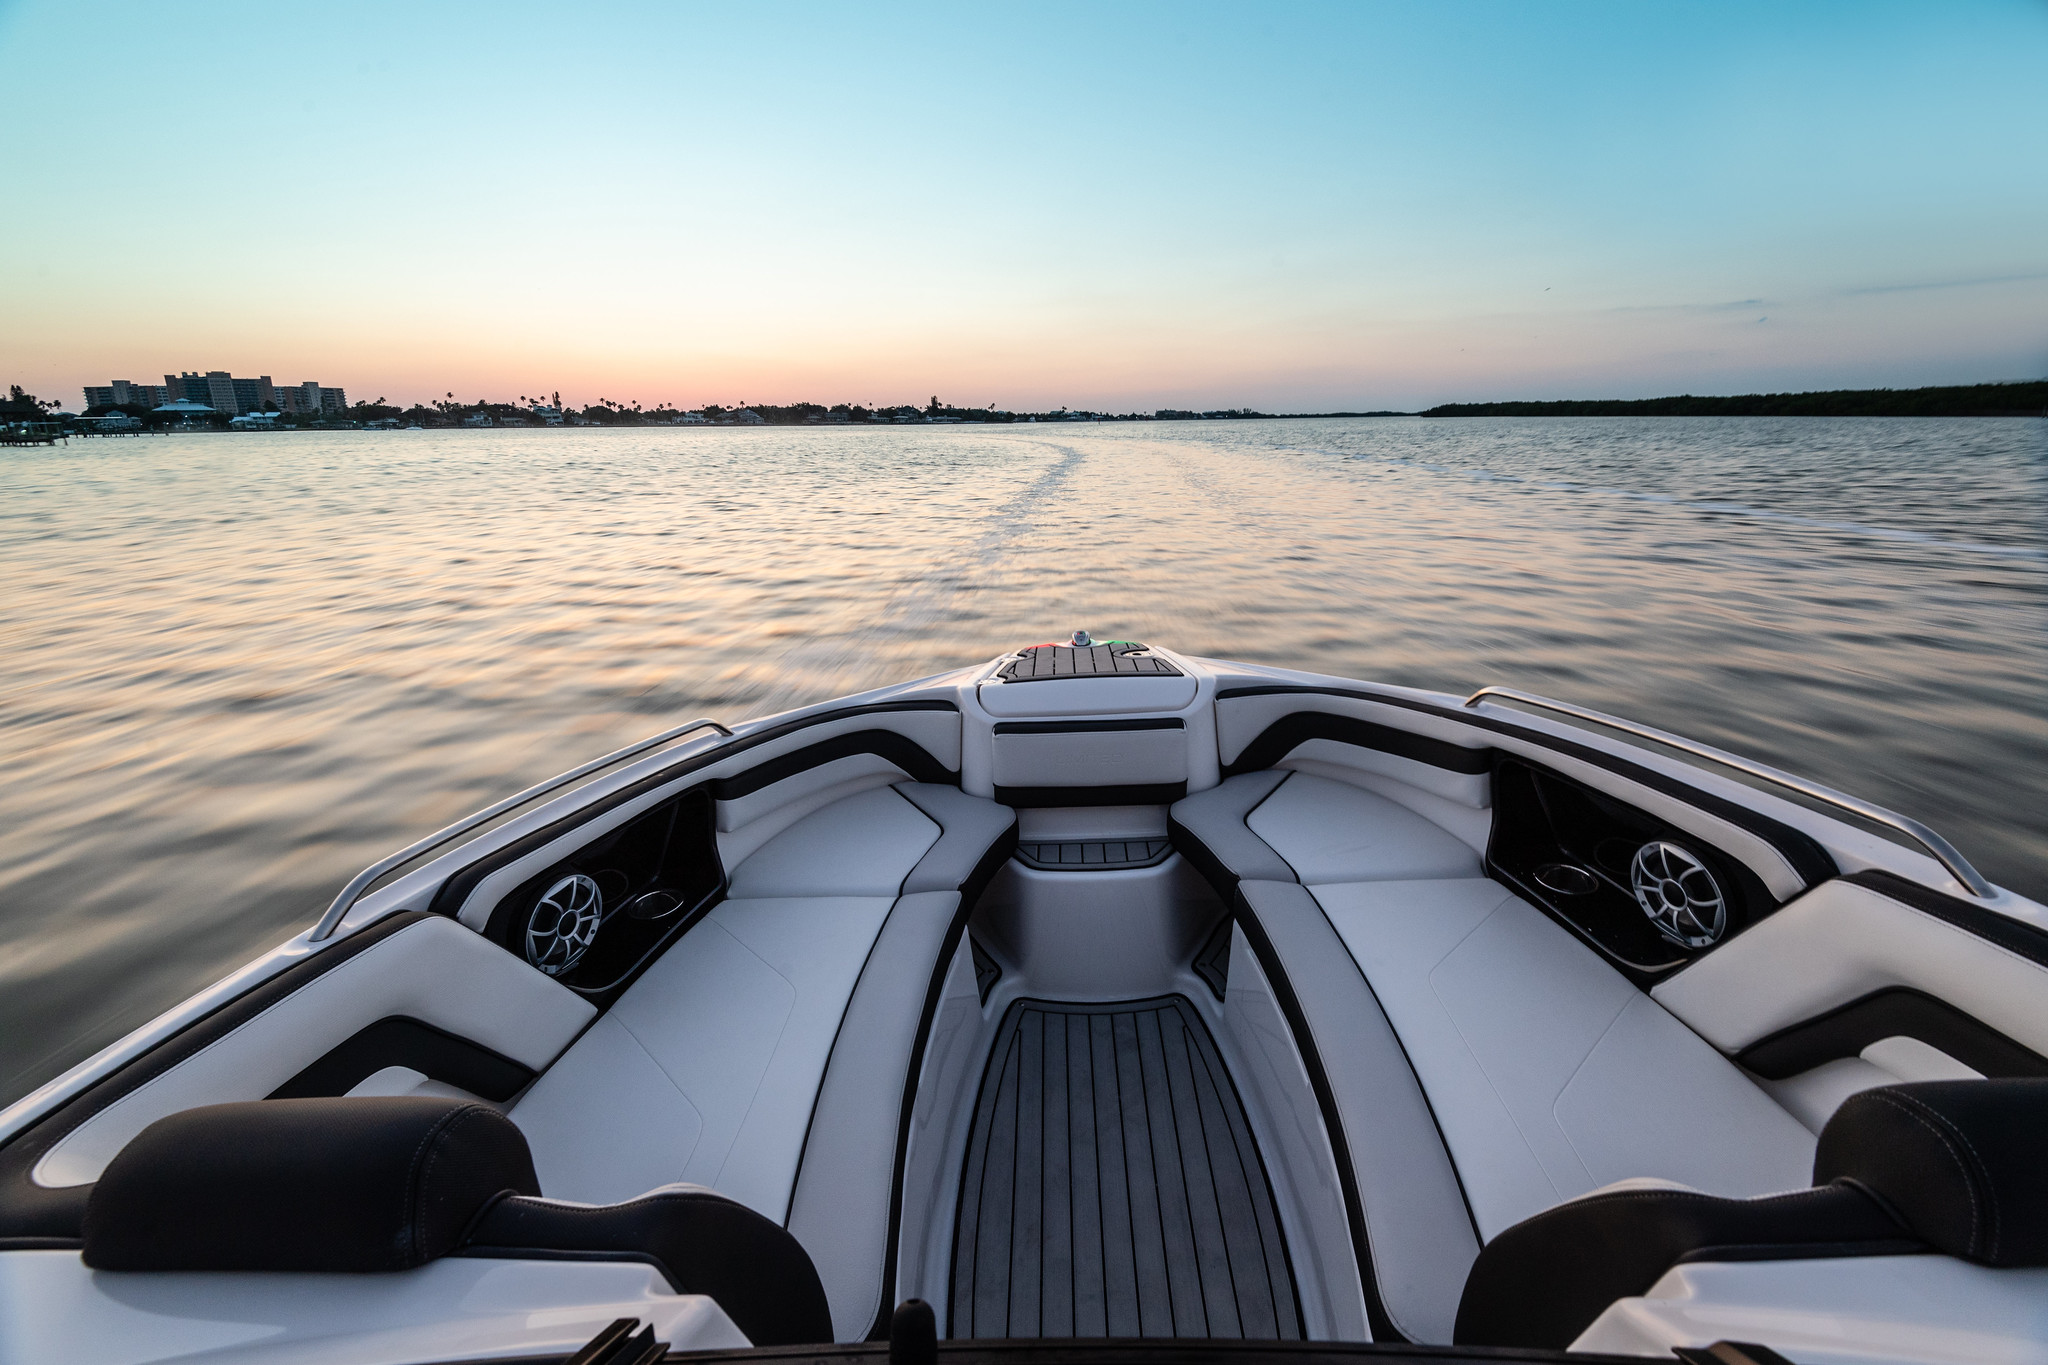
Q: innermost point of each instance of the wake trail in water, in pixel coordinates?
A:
(915, 605)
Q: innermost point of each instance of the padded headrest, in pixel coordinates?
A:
(344, 1184)
(1963, 1163)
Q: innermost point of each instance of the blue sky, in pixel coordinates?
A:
(1293, 207)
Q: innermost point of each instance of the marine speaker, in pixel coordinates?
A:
(563, 924)
(1679, 894)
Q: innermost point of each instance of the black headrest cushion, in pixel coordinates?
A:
(1963, 1163)
(344, 1184)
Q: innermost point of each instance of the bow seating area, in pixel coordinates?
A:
(1543, 1073)
(765, 1054)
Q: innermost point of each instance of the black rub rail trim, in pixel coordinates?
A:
(1087, 727)
(1807, 858)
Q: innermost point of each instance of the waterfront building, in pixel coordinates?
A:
(311, 397)
(221, 391)
(186, 409)
(122, 392)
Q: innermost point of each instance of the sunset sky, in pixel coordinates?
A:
(1294, 208)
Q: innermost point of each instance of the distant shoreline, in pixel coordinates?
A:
(2025, 398)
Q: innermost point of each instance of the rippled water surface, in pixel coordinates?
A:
(235, 669)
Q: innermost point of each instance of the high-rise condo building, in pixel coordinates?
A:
(125, 392)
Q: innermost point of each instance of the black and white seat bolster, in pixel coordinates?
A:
(1956, 1167)
(1209, 830)
(390, 1183)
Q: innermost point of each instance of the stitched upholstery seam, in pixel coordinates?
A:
(1983, 1167)
(412, 1196)
(1896, 1101)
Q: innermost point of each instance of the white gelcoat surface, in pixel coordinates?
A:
(54, 1311)
(1903, 1310)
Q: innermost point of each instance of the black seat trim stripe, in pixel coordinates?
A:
(1896, 1011)
(1288, 733)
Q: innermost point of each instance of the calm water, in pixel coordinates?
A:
(235, 669)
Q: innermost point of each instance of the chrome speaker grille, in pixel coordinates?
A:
(564, 924)
(1679, 894)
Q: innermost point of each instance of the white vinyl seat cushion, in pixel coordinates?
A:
(1331, 832)
(707, 1069)
(864, 845)
(1549, 1073)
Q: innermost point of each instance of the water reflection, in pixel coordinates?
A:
(238, 668)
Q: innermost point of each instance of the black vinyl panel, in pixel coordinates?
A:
(1808, 859)
(670, 850)
(1542, 818)
(1288, 733)
(1891, 1013)
(1112, 1188)
(1143, 794)
(401, 1040)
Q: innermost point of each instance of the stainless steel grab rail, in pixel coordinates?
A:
(353, 892)
(1944, 852)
